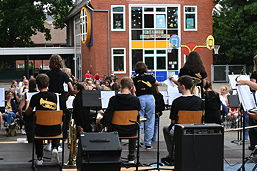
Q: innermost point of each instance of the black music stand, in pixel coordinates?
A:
(158, 150)
(233, 102)
(91, 98)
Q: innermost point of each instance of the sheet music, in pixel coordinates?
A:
(69, 102)
(173, 93)
(105, 97)
(2, 97)
(29, 95)
(58, 101)
(232, 79)
(165, 97)
(246, 97)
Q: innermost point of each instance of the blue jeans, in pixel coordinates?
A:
(9, 117)
(147, 103)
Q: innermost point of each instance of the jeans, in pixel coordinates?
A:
(147, 103)
(9, 117)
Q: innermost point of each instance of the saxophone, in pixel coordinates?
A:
(72, 143)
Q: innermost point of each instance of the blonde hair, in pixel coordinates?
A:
(67, 71)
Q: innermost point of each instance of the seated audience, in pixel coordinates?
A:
(187, 102)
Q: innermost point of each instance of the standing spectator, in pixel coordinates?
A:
(212, 105)
(96, 76)
(88, 75)
(144, 90)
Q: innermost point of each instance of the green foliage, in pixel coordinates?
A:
(235, 28)
(20, 19)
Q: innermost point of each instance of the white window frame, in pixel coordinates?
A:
(124, 17)
(124, 61)
(83, 24)
(196, 16)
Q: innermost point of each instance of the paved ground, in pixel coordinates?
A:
(15, 155)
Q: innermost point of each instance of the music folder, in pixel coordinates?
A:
(233, 101)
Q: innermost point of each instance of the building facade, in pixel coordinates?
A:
(112, 35)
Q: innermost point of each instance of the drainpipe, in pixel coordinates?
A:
(109, 41)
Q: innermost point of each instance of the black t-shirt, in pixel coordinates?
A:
(121, 102)
(185, 71)
(57, 78)
(254, 75)
(45, 101)
(144, 84)
(188, 103)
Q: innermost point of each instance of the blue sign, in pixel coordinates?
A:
(174, 41)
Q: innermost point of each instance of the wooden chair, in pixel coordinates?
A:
(190, 117)
(48, 118)
(125, 118)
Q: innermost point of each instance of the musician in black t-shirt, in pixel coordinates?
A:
(43, 100)
(187, 102)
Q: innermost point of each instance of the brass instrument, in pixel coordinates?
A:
(72, 143)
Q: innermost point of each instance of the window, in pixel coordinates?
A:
(118, 18)
(85, 22)
(118, 60)
(190, 18)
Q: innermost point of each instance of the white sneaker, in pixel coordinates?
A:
(59, 149)
(39, 162)
(55, 156)
(131, 161)
(48, 147)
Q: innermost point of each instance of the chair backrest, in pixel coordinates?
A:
(124, 117)
(190, 117)
(48, 117)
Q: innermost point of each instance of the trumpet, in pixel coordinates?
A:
(72, 143)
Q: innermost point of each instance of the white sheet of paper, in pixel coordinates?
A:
(232, 79)
(69, 102)
(58, 101)
(65, 87)
(173, 94)
(29, 95)
(165, 97)
(2, 97)
(246, 97)
(105, 97)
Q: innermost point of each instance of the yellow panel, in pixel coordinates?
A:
(149, 44)
(162, 44)
(137, 44)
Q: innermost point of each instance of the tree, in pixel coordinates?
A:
(235, 26)
(20, 19)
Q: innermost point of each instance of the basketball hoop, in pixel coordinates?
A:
(216, 49)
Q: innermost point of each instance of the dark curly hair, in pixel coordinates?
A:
(55, 62)
(141, 68)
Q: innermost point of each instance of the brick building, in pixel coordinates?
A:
(112, 35)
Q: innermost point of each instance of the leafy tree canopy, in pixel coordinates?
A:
(20, 19)
(235, 28)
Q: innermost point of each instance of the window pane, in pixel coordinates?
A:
(160, 34)
(189, 9)
(136, 17)
(137, 34)
(161, 51)
(160, 9)
(160, 21)
(148, 9)
(149, 61)
(137, 55)
(118, 51)
(149, 34)
(173, 60)
(190, 21)
(149, 51)
(149, 21)
(117, 9)
(118, 63)
(172, 17)
(117, 21)
(161, 62)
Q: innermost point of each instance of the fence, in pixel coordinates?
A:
(220, 72)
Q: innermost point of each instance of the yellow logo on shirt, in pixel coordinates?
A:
(198, 75)
(146, 83)
(47, 104)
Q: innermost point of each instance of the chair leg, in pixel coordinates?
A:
(138, 145)
(62, 152)
(33, 160)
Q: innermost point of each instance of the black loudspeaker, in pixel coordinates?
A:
(199, 147)
(99, 152)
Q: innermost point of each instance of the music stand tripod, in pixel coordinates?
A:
(243, 148)
(158, 149)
